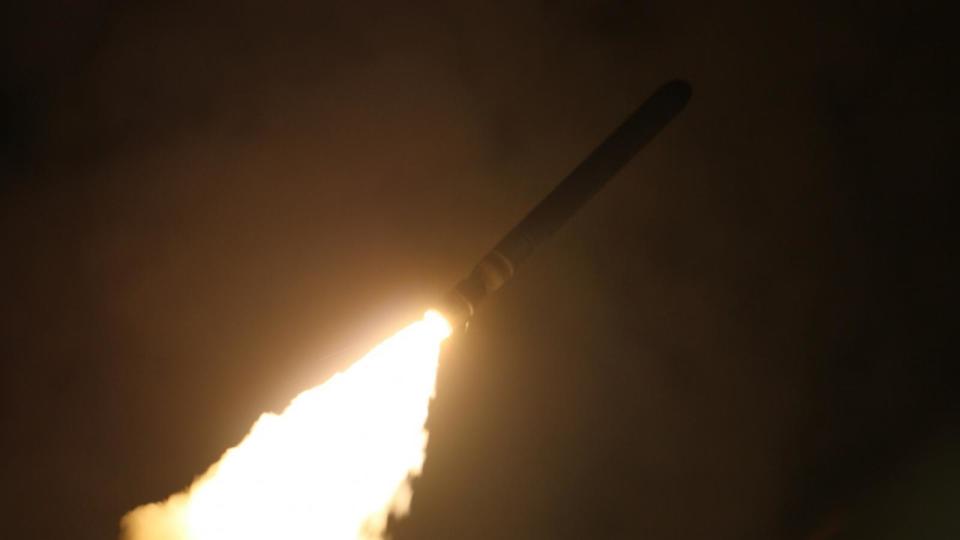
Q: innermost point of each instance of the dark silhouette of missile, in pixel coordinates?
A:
(498, 266)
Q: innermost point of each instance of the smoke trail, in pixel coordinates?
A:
(333, 465)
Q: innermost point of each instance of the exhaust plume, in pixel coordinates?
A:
(333, 465)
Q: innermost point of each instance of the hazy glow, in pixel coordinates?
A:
(332, 466)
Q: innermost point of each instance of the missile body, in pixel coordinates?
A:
(500, 264)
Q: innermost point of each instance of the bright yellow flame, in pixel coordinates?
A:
(332, 466)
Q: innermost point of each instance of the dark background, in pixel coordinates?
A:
(749, 334)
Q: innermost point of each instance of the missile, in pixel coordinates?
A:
(588, 178)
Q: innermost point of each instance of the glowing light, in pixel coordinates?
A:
(332, 466)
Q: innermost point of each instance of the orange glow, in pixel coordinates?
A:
(331, 466)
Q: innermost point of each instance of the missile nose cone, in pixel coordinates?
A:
(669, 99)
(679, 89)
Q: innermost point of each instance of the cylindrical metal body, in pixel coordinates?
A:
(570, 195)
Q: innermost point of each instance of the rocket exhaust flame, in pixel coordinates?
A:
(333, 465)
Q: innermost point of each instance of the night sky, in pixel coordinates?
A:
(209, 207)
